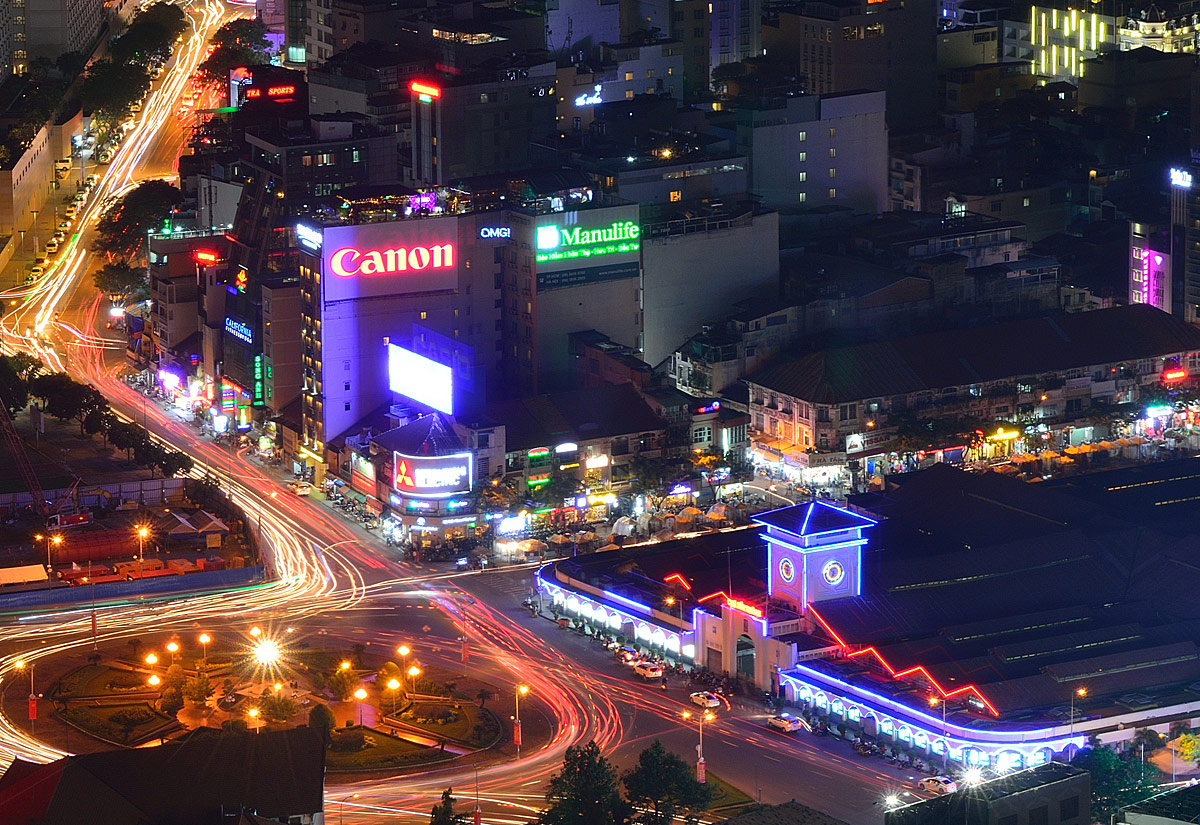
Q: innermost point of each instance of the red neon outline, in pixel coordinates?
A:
(420, 88)
(681, 579)
(714, 595)
(901, 674)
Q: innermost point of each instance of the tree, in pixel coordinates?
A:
(585, 791)
(198, 689)
(483, 695)
(14, 391)
(443, 813)
(275, 707)
(123, 228)
(556, 490)
(1115, 781)
(119, 278)
(241, 42)
(70, 64)
(358, 649)
(171, 701)
(126, 436)
(150, 36)
(342, 683)
(175, 463)
(1187, 747)
(174, 677)
(109, 89)
(661, 783)
(149, 454)
(27, 366)
(321, 720)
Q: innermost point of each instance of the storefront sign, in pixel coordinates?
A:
(1174, 374)
(596, 462)
(1181, 178)
(391, 258)
(589, 99)
(492, 232)
(239, 330)
(432, 476)
(680, 490)
(588, 246)
(308, 236)
(742, 607)
(459, 520)
(362, 474)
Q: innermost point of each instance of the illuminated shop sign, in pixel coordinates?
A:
(587, 246)
(390, 258)
(743, 607)
(425, 92)
(589, 99)
(1174, 374)
(1181, 178)
(240, 331)
(489, 232)
(421, 379)
(273, 92)
(596, 462)
(432, 476)
(261, 372)
(362, 474)
(308, 236)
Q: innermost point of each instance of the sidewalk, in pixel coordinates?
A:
(33, 245)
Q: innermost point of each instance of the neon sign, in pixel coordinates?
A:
(240, 280)
(348, 261)
(308, 236)
(743, 607)
(787, 571)
(424, 92)
(707, 408)
(204, 256)
(1146, 293)
(1174, 374)
(239, 330)
(487, 232)
(1181, 178)
(559, 243)
(589, 99)
(432, 476)
(272, 91)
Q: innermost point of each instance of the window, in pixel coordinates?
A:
(629, 75)
(676, 195)
(832, 151)
(629, 94)
(424, 315)
(1011, 819)
(832, 192)
(346, 386)
(848, 412)
(802, 137)
(649, 72)
(702, 435)
(1068, 809)
(803, 177)
(996, 206)
(670, 70)
(803, 196)
(1025, 202)
(832, 132)
(823, 414)
(803, 157)
(832, 173)
(1039, 815)
(347, 406)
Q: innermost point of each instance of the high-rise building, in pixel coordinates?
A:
(736, 31)
(46, 28)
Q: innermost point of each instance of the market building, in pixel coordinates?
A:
(954, 615)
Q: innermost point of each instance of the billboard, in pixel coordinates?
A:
(587, 246)
(362, 474)
(393, 258)
(436, 476)
(421, 379)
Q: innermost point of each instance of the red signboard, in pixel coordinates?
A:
(700, 771)
(1174, 374)
(517, 732)
(32, 707)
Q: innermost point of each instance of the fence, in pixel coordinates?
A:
(149, 491)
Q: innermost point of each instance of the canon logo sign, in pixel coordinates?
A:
(348, 261)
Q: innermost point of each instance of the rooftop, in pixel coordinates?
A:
(962, 357)
(429, 435)
(1176, 805)
(969, 805)
(577, 415)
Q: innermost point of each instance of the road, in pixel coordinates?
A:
(335, 583)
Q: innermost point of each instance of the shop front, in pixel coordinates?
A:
(429, 502)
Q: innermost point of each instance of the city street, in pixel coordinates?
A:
(335, 582)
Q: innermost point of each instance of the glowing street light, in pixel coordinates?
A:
(1080, 692)
(972, 776)
(154, 681)
(361, 696)
(701, 718)
(256, 631)
(522, 690)
(204, 640)
(151, 659)
(267, 653)
(404, 650)
(394, 686)
(172, 648)
(413, 672)
(142, 533)
(253, 714)
(891, 801)
(345, 665)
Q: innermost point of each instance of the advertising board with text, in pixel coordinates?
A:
(392, 258)
(427, 476)
(587, 246)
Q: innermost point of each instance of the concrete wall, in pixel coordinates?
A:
(25, 187)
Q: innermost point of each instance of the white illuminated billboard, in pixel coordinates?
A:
(421, 379)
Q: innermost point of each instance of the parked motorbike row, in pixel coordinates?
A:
(868, 747)
(355, 509)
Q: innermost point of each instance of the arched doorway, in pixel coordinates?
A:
(745, 658)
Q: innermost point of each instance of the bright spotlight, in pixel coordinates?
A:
(891, 801)
(972, 776)
(266, 652)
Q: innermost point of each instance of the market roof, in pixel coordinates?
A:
(429, 435)
(789, 813)
(1176, 805)
(813, 519)
(577, 415)
(961, 357)
(278, 774)
(954, 807)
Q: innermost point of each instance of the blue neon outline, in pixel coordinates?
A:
(771, 573)
(818, 548)
(623, 600)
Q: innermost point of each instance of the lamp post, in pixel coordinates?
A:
(142, 532)
(173, 649)
(154, 681)
(936, 700)
(404, 650)
(253, 714)
(413, 673)
(342, 807)
(394, 686)
(151, 661)
(702, 718)
(361, 696)
(521, 690)
(204, 640)
(1080, 692)
(21, 664)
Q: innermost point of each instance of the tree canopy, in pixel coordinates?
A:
(109, 88)
(1116, 782)
(241, 42)
(662, 785)
(122, 229)
(585, 791)
(120, 278)
(443, 812)
(150, 36)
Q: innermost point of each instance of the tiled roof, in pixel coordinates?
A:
(577, 415)
(956, 358)
(428, 435)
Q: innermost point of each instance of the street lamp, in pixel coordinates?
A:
(204, 640)
(342, 808)
(142, 532)
(404, 650)
(151, 659)
(521, 690)
(266, 653)
(1080, 692)
(344, 665)
(256, 631)
(173, 649)
(360, 695)
(394, 686)
(253, 714)
(153, 681)
(413, 673)
(702, 718)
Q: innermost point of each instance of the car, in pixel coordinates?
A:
(938, 785)
(69, 212)
(52, 247)
(63, 226)
(136, 107)
(625, 654)
(705, 699)
(300, 488)
(79, 198)
(786, 722)
(59, 235)
(648, 670)
(36, 272)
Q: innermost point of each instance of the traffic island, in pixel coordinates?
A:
(360, 749)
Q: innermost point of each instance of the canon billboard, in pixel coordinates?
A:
(394, 258)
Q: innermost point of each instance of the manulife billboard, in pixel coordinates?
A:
(587, 246)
